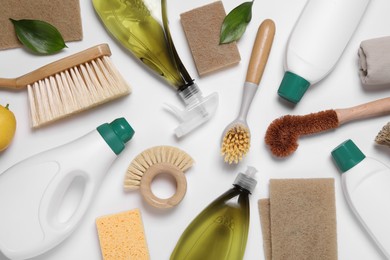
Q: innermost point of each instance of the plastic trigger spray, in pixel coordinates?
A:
(142, 28)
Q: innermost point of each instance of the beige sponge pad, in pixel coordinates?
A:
(64, 15)
(265, 220)
(202, 28)
(122, 237)
(303, 219)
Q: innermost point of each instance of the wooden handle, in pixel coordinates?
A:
(260, 51)
(371, 109)
(57, 67)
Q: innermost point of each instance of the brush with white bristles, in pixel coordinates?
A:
(158, 155)
(70, 85)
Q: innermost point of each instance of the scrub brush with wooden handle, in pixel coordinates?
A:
(70, 85)
(383, 137)
(236, 136)
(283, 133)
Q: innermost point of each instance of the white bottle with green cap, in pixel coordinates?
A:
(316, 43)
(366, 186)
(33, 218)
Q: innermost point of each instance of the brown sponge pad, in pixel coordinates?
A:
(300, 219)
(64, 15)
(202, 29)
(121, 236)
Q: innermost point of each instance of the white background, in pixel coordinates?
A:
(210, 176)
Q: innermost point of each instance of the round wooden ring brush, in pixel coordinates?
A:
(152, 162)
(236, 136)
(283, 133)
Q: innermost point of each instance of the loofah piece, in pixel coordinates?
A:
(265, 219)
(152, 156)
(383, 136)
(122, 236)
(202, 29)
(64, 15)
(303, 219)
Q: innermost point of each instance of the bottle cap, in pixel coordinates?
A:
(347, 155)
(116, 134)
(247, 180)
(293, 87)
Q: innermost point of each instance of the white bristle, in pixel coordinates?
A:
(75, 90)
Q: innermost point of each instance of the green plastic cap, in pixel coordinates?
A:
(347, 155)
(116, 134)
(293, 87)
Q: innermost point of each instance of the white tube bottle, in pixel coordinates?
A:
(366, 186)
(316, 43)
(32, 192)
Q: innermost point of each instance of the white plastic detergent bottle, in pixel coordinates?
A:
(32, 191)
(366, 186)
(316, 43)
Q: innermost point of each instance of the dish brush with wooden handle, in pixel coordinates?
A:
(70, 85)
(283, 133)
(236, 136)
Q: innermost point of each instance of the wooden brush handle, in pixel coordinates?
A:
(371, 109)
(260, 51)
(56, 67)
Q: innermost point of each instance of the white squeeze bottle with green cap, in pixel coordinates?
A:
(32, 191)
(366, 186)
(220, 231)
(316, 43)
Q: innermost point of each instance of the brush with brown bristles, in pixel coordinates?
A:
(283, 133)
(70, 85)
(236, 136)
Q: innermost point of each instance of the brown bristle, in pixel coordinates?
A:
(235, 144)
(383, 136)
(283, 133)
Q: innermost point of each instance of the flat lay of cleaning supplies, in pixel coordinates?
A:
(383, 136)
(299, 219)
(155, 161)
(365, 183)
(137, 26)
(282, 134)
(317, 42)
(236, 137)
(374, 61)
(220, 231)
(32, 191)
(70, 85)
(64, 15)
(7, 126)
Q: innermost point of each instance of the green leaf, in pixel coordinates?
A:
(235, 23)
(38, 36)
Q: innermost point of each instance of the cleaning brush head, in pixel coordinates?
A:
(167, 155)
(383, 137)
(283, 133)
(235, 143)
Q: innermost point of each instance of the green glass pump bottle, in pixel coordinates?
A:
(141, 26)
(220, 231)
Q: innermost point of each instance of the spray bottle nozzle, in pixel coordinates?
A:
(198, 109)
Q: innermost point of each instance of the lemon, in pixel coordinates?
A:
(7, 127)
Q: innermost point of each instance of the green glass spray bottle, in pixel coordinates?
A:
(220, 231)
(141, 26)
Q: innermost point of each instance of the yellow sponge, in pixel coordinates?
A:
(121, 236)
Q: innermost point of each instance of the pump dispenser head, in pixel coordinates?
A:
(247, 180)
(116, 134)
(198, 109)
